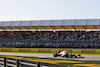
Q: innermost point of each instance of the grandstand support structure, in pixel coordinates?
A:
(45, 25)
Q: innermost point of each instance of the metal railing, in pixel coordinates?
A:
(10, 62)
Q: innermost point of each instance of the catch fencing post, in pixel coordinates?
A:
(5, 61)
(18, 63)
(38, 64)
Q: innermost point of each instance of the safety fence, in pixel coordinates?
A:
(11, 62)
(22, 61)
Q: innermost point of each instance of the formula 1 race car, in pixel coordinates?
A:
(66, 54)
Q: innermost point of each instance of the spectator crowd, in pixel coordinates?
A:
(50, 35)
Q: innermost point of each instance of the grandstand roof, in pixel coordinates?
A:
(52, 24)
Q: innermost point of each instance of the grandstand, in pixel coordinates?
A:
(76, 33)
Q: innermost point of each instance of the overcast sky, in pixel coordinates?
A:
(49, 9)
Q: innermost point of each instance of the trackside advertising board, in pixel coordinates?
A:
(50, 50)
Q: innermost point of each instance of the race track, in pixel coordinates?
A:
(87, 57)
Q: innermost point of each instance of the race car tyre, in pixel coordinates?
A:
(72, 55)
(55, 55)
(79, 55)
(67, 55)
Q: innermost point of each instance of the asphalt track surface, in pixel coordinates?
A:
(87, 57)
